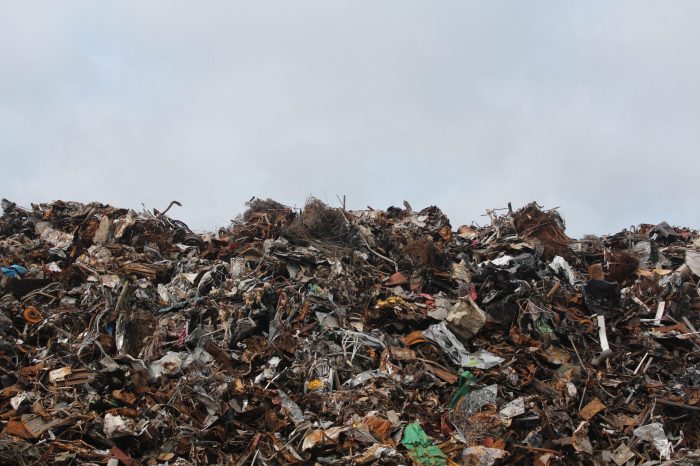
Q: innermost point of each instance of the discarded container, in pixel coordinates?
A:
(465, 319)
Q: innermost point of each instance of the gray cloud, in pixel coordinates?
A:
(590, 106)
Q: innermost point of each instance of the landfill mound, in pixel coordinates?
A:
(327, 336)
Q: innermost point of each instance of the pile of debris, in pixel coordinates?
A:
(327, 336)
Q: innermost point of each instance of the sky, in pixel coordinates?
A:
(592, 107)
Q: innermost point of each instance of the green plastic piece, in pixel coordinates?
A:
(421, 449)
(543, 327)
(466, 383)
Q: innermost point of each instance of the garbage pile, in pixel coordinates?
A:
(327, 336)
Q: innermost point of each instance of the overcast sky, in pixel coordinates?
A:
(591, 106)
